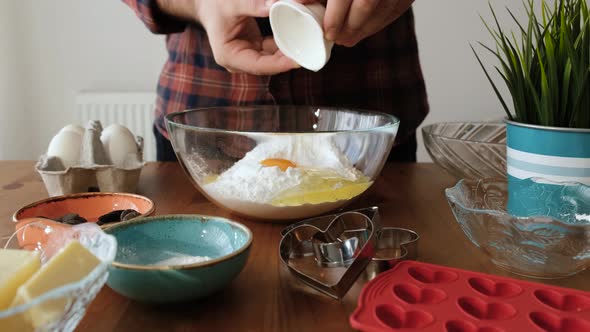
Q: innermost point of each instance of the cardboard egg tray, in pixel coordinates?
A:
(424, 297)
(94, 172)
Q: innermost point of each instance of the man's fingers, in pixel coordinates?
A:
(242, 57)
(254, 62)
(336, 13)
(402, 7)
(253, 8)
(386, 12)
(269, 46)
(359, 14)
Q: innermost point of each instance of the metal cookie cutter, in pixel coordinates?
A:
(329, 253)
(393, 245)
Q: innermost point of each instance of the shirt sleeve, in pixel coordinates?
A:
(154, 18)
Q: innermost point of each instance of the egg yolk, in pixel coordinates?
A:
(282, 164)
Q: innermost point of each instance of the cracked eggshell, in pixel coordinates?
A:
(66, 146)
(119, 143)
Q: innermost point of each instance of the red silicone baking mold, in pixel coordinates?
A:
(428, 297)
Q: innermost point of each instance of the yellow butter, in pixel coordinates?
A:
(16, 267)
(71, 264)
(18, 322)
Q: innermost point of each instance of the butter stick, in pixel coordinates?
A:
(16, 267)
(71, 264)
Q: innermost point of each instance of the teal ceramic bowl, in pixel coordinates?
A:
(159, 259)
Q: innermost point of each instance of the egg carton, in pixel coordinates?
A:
(95, 171)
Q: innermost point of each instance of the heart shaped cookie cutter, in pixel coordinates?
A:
(329, 253)
(394, 245)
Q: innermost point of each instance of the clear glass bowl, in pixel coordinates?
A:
(468, 150)
(538, 246)
(78, 295)
(335, 155)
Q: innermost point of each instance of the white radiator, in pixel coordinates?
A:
(134, 110)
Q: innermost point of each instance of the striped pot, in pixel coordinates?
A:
(548, 153)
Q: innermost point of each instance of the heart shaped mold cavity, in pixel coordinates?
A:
(463, 326)
(480, 309)
(571, 303)
(415, 295)
(429, 276)
(492, 288)
(553, 323)
(396, 317)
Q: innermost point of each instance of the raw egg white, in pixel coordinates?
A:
(118, 143)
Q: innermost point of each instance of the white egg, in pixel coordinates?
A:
(118, 143)
(73, 128)
(66, 146)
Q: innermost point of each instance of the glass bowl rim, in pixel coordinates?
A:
(454, 139)
(449, 193)
(394, 121)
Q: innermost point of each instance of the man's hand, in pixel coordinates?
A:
(347, 22)
(233, 33)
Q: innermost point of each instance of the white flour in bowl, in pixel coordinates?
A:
(248, 180)
(182, 260)
(250, 189)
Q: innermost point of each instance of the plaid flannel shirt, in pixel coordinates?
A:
(380, 73)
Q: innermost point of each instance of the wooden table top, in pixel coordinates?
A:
(265, 297)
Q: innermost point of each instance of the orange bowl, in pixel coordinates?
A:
(89, 206)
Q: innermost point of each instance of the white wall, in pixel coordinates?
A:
(12, 114)
(456, 85)
(65, 46)
(73, 45)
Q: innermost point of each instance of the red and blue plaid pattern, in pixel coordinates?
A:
(381, 73)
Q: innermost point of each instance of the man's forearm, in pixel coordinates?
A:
(183, 9)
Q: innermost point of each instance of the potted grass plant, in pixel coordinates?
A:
(545, 66)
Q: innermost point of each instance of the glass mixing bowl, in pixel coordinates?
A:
(468, 150)
(281, 162)
(540, 246)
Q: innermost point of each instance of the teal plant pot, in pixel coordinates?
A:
(554, 159)
(143, 244)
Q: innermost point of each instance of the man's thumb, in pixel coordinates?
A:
(254, 8)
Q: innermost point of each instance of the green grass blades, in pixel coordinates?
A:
(546, 67)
